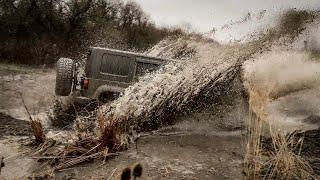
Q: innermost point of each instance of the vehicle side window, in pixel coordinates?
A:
(144, 67)
(115, 65)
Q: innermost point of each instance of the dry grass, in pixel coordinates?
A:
(86, 148)
(36, 126)
(101, 122)
(283, 161)
(37, 131)
(110, 134)
(279, 161)
(254, 160)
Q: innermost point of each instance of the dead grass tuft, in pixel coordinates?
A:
(86, 148)
(37, 130)
(279, 161)
(284, 162)
(110, 136)
(276, 158)
(101, 122)
(36, 126)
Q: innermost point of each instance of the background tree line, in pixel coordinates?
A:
(39, 31)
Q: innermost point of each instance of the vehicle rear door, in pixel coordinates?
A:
(117, 66)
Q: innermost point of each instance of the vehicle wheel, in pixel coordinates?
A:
(107, 96)
(64, 77)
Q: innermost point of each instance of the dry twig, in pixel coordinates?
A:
(36, 125)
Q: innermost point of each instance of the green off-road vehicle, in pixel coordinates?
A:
(107, 73)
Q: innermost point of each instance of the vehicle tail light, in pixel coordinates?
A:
(85, 83)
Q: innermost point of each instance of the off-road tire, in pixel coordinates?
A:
(64, 76)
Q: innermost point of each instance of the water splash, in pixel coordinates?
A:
(178, 87)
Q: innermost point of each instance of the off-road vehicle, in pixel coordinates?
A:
(107, 73)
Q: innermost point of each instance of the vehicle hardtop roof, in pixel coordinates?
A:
(135, 54)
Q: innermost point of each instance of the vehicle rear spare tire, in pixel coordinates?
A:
(64, 76)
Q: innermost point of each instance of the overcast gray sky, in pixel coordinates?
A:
(206, 14)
